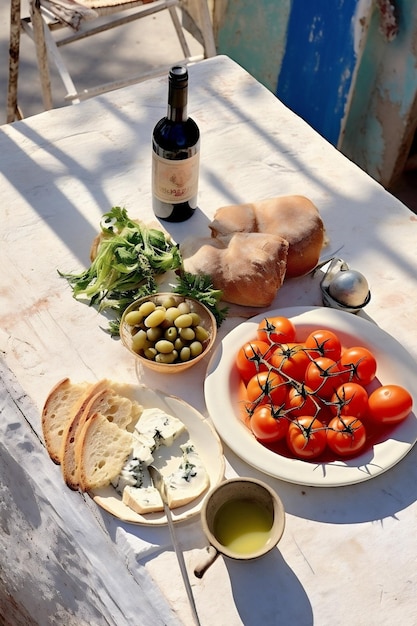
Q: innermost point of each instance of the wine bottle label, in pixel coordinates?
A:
(175, 181)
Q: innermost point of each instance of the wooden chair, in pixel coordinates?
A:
(52, 24)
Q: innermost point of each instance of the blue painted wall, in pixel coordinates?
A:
(332, 63)
(319, 61)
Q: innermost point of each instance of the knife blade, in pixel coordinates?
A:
(159, 483)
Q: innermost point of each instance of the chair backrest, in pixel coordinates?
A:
(50, 19)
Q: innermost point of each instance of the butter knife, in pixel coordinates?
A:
(159, 484)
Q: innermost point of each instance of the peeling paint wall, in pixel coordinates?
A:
(382, 118)
(332, 62)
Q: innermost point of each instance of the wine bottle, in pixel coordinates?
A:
(175, 154)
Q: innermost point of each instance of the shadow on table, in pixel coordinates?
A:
(376, 499)
(278, 597)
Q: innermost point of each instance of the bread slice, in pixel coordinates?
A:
(56, 413)
(101, 450)
(114, 407)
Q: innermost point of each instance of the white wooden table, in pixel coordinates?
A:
(348, 554)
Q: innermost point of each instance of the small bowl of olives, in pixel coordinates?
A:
(168, 332)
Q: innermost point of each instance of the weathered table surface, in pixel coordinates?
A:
(348, 554)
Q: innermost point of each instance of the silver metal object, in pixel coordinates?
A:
(343, 288)
(159, 483)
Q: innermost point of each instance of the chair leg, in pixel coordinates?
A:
(180, 33)
(206, 28)
(41, 53)
(14, 53)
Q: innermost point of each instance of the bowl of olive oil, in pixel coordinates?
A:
(243, 519)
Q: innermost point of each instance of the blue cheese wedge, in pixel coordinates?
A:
(163, 428)
(162, 440)
(189, 480)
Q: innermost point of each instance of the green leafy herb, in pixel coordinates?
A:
(201, 288)
(129, 256)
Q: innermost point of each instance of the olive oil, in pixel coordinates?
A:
(243, 526)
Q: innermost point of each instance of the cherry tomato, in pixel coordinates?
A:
(346, 435)
(301, 401)
(350, 399)
(276, 329)
(266, 387)
(360, 363)
(291, 360)
(324, 343)
(323, 376)
(390, 404)
(306, 437)
(269, 423)
(249, 359)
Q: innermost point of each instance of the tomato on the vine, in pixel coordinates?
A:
(266, 387)
(276, 329)
(290, 359)
(301, 401)
(360, 364)
(269, 423)
(389, 404)
(346, 435)
(350, 399)
(324, 343)
(249, 359)
(306, 437)
(323, 376)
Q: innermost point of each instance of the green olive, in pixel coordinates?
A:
(171, 333)
(184, 307)
(169, 358)
(146, 308)
(201, 333)
(187, 334)
(140, 341)
(183, 321)
(164, 346)
(154, 333)
(155, 318)
(196, 349)
(133, 318)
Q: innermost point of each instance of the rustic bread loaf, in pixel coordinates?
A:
(295, 218)
(248, 268)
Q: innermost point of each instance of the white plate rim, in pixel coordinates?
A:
(207, 444)
(401, 370)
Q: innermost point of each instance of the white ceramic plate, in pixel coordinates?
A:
(395, 366)
(206, 442)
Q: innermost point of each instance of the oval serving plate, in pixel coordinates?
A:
(207, 444)
(395, 366)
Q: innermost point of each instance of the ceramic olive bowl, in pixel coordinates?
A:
(168, 333)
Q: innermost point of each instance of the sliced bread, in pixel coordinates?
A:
(114, 407)
(101, 450)
(56, 413)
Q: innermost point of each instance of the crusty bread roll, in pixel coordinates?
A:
(248, 268)
(295, 218)
(114, 407)
(101, 450)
